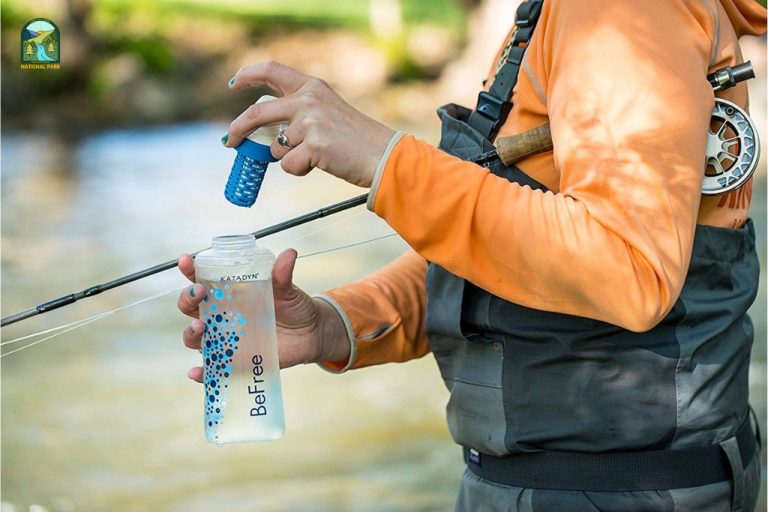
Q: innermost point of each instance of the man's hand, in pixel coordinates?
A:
(308, 330)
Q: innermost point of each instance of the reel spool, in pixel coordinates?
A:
(733, 149)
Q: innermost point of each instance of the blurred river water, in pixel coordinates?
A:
(104, 418)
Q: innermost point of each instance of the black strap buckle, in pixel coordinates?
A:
(492, 107)
(528, 14)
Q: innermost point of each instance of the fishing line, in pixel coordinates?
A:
(301, 237)
(62, 329)
(347, 246)
(79, 323)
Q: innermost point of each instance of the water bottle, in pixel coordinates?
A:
(241, 373)
(253, 156)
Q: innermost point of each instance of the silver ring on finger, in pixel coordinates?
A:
(282, 139)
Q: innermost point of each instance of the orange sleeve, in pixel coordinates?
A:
(385, 311)
(629, 108)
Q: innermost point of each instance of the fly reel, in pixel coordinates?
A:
(733, 149)
(733, 146)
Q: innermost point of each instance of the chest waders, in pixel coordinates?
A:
(564, 413)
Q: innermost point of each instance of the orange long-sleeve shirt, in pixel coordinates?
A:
(623, 86)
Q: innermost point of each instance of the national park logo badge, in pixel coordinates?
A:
(40, 45)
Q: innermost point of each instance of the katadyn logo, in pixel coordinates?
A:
(40, 45)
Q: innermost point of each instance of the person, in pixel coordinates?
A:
(587, 306)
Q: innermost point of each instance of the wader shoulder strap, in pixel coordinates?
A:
(493, 106)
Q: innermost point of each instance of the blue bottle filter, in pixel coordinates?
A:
(241, 371)
(250, 164)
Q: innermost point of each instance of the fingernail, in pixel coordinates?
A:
(231, 82)
(192, 291)
(225, 138)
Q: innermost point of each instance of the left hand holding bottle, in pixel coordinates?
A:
(323, 131)
(308, 329)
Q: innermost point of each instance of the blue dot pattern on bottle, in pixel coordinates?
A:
(223, 331)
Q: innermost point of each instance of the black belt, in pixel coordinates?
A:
(613, 471)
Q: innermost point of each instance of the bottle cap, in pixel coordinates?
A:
(266, 134)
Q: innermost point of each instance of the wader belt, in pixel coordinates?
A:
(494, 106)
(614, 471)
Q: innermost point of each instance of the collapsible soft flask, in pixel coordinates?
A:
(241, 370)
(253, 156)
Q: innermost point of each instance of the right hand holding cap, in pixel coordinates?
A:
(323, 130)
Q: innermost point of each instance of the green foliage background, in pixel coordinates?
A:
(147, 31)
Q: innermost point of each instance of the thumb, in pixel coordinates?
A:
(282, 275)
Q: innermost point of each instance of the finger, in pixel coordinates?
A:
(196, 374)
(298, 161)
(294, 139)
(193, 334)
(258, 115)
(187, 266)
(190, 298)
(282, 274)
(274, 75)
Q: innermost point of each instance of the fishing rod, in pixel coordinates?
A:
(97, 289)
(509, 150)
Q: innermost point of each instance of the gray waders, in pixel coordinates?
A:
(563, 413)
